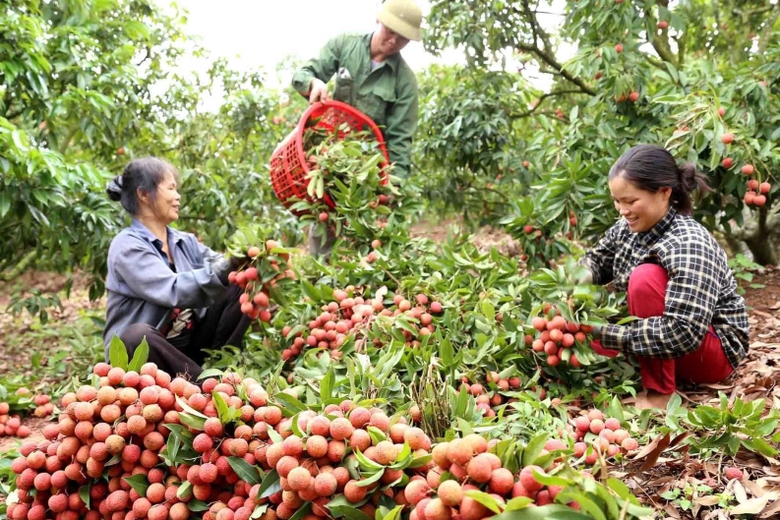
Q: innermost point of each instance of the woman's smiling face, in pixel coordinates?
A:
(642, 209)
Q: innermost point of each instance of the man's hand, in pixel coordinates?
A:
(319, 91)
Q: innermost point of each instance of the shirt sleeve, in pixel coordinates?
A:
(323, 67)
(402, 124)
(691, 296)
(601, 259)
(148, 276)
(209, 255)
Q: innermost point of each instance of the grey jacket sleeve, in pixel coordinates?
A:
(146, 274)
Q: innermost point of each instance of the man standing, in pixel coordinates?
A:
(372, 76)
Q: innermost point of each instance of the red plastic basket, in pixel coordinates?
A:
(288, 162)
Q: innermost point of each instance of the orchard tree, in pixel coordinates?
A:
(73, 93)
(87, 86)
(643, 72)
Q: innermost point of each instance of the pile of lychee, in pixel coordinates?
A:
(264, 270)
(352, 314)
(11, 423)
(143, 445)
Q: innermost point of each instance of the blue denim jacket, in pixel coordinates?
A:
(142, 288)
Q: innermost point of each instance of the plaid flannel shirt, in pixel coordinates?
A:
(701, 291)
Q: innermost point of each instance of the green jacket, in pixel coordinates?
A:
(387, 94)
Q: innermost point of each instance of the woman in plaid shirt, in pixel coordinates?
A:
(692, 324)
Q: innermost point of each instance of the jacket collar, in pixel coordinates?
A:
(660, 228)
(143, 231)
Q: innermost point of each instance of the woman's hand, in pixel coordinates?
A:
(224, 265)
(585, 278)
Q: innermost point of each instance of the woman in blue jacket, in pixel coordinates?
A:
(163, 284)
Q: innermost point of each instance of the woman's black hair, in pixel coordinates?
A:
(143, 174)
(652, 167)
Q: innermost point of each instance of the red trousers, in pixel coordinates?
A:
(707, 364)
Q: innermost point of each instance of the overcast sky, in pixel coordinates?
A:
(255, 33)
(252, 33)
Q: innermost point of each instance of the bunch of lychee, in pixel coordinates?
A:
(11, 422)
(556, 338)
(467, 464)
(488, 393)
(351, 314)
(595, 434)
(264, 271)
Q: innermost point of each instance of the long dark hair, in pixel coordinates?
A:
(143, 174)
(652, 167)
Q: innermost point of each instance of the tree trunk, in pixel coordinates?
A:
(759, 233)
(763, 249)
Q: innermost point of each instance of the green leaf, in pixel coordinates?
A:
(187, 408)
(244, 470)
(288, 402)
(534, 448)
(365, 463)
(269, 485)
(326, 386)
(550, 480)
(185, 491)
(420, 461)
(274, 435)
(196, 505)
(223, 410)
(301, 511)
(548, 512)
(519, 503)
(138, 482)
(370, 480)
(488, 311)
(85, 489)
(140, 356)
(196, 423)
(619, 487)
(117, 353)
(464, 426)
(259, 511)
(484, 499)
(586, 503)
(211, 372)
(296, 429)
(376, 435)
(393, 514)
(446, 352)
(348, 511)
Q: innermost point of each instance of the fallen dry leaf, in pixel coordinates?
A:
(652, 451)
(750, 507)
(739, 492)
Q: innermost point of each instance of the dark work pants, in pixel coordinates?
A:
(223, 324)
